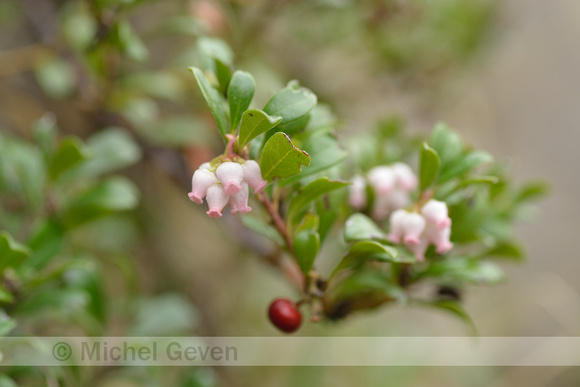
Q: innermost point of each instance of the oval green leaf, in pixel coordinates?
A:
(280, 158)
(240, 94)
(254, 123)
(429, 164)
(214, 101)
(309, 193)
(360, 227)
(291, 104)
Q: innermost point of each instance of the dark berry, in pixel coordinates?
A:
(284, 314)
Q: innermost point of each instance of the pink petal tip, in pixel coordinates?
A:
(232, 188)
(214, 213)
(194, 198)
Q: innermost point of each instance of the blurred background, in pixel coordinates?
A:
(504, 74)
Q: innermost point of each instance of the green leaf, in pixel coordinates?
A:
(365, 250)
(215, 48)
(360, 227)
(280, 158)
(44, 133)
(308, 194)
(112, 194)
(307, 243)
(291, 103)
(465, 164)
(254, 123)
(321, 118)
(6, 381)
(240, 94)
(11, 252)
(446, 143)
(259, 226)
(6, 323)
(532, 191)
(366, 281)
(70, 152)
(508, 250)
(88, 278)
(324, 154)
(22, 170)
(459, 269)
(214, 101)
(428, 166)
(453, 307)
(111, 149)
(5, 296)
(46, 241)
(223, 74)
(56, 77)
(450, 191)
(78, 26)
(129, 42)
(328, 211)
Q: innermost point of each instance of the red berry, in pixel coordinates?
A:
(284, 314)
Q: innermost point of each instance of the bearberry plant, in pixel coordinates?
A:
(441, 224)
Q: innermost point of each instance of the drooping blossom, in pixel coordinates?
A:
(239, 201)
(357, 192)
(391, 184)
(217, 199)
(253, 176)
(202, 179)
(230, 174)
(436, 212)
(227, 185)
(417, 230)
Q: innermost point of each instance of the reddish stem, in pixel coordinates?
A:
(288, 267)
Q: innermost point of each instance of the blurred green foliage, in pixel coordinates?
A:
(112, 74)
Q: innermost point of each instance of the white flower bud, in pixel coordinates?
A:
(435, 212)
(405, 177)
(382, 179)
(413, 225)
(239, 201)
(205, 166)
(200, 182)
(217, 199)
(357, 193)
(253, 176)
(230, 175)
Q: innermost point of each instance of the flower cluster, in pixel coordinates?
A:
(227, 185)
(391, 184)
(418, 230)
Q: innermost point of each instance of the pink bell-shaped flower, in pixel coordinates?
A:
(202, 179)
(419, 249)
(253, 176)
(396, 226)
(239, 201)
(217, 199)
(440, 238)
(382, 179)
(405, 177)
(413, 225)
(357, 193)
(435, 212)
(230, 175)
